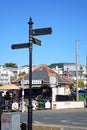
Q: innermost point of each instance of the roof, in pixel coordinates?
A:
(43, 72)
(61, 65)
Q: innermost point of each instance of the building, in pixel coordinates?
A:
(45, 81)
(9, 73)
(69, 70)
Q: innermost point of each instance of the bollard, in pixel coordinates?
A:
(23, 126)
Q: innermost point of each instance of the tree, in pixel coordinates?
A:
(22, 73)
(80, 83)
(72, 87)
(1, 85)
(13, 65)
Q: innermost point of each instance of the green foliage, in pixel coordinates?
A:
(22, 73)
(80, 83)
(13, 65)
(1, 85)
(72, 87)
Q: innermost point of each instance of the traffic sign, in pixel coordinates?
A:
(41, 31)
(18, 46)
(36, 41)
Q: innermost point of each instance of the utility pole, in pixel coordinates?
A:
(76, 70)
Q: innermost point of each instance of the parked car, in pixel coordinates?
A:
(73, 93)
(82, 92)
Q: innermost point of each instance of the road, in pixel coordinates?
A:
(76, 118)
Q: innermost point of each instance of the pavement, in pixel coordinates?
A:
(74, 109)
(66, 109)
(61, 127)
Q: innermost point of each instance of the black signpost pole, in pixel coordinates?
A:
(30, 76)
(0, 108)
(32, 32)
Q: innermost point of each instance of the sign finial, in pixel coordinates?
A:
(30, 21)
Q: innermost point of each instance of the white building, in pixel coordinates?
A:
(8, 73)
(69, 70)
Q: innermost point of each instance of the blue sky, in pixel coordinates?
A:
(68, 19)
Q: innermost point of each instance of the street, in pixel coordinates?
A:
(76, 117)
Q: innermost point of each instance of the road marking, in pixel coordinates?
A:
(71, 122)
(37, 122)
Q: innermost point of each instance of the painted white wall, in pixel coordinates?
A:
(68, 104)
(60, 90)
(54, 93)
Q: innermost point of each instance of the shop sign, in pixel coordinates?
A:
(36, 81)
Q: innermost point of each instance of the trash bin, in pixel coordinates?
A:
(23, 126)
(10, 121)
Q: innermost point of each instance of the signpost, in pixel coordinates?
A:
(36, 41)
(41, 31)
(18, 46)
(0, 108)
(32, 32)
